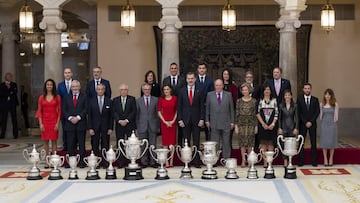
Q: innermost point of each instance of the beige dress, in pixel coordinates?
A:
(245, 118)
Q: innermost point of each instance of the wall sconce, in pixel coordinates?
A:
(228, 17)
(128, 17)
(26, 19)
(327, 17)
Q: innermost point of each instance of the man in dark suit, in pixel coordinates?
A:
(124, 114)
(74, 111)
(278, 85)
(147, 121)
(64, 88)
(91, 86)
(24, 106)
(100, 121)
(219, 116)
(191, 112)
(206, 85)
(176, 82)
(249, 79)
(308, 111)
(8, 103)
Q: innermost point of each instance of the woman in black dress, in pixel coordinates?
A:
(150, 79)
(288, 119)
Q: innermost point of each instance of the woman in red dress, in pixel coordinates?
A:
(167, 106)
(48, 113)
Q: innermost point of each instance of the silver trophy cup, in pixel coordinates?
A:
(161, 158)
(92, 161)
(270, 156)
(133, 152)
(73, 162)
(34, 157)
(185, 154)
(55, 161)
(110, 156)
(231, 165)
(209, 157)
(290, 149)
(252, 159)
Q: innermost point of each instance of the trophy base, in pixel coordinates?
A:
(209, 175)
(252, 175)
(59, 177)
(34, 177)
(133, 174)
(232, 175)
(73, 175)
(110, 174)
(269, 175)
(92, 175)
(186, 175)
(290, 173)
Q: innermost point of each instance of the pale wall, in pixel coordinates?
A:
(333, 62)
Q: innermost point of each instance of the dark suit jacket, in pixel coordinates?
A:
(90, 88)
(100, 121)
(61, 89)
(191, 113)
(129, 113)
(285, 84)
(180, 83)
(207, 87)
(68, 109)
(311, 114)
(8, 96)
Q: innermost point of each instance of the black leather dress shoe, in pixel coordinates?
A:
(314, 165)
(197, 166)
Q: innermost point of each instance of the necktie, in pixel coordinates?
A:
(147, 102)
(307, 103)
(75, 100)
(123, 101)
(219, 98)
(101, 103)
(191, 95)
(173, 81)
(67, 87)
(202, 79)
(277, 86)
(97, 82)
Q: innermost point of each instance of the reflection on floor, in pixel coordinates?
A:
(314, 184)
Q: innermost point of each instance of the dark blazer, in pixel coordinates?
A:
(311, 114)
(288, 119)
(180, 83)
(191, 113)
(207, 87)
(8, 96)
(68, 109)
(61, 89)
(90, 88)
(285, 84)
(129, 113)
(100, 121)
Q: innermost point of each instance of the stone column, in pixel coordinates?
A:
(288, 23)
(170, 25)
(53, 25)
(8, 53)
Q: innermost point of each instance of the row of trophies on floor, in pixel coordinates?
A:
(133, 171)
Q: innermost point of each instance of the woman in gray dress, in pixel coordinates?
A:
(329, 111)
(288, 119)
(245, 121)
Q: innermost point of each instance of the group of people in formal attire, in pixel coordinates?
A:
(180, 108)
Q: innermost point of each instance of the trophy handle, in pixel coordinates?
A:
(67, 158)
(99, 160)
(276, 152)
(218, 153)
(195, 150)
(223, 161)
(178, 149)
(260, 156)
(121, 141)
(146, 147)
(302, 142)
(103, 153)
(77, 158)
(42, 154)
(172, 149)
(26, 154)
(62, 159)
(47, 159)
(280, 137)
(200, 154)
(85, 160)
(152, 147)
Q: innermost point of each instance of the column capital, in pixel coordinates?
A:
(52, 21)
(291, 8)
(54, 4)
(289, 25)
(170, 21)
